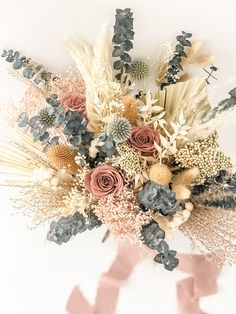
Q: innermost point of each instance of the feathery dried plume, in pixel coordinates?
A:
(205, 128)
(166, 54)
(94, 63)
(40, 203)
(195, 57)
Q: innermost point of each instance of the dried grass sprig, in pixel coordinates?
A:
(213, 230)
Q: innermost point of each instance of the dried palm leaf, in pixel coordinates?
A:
(19, 156)
(189, 97)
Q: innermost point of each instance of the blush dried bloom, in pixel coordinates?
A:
(75, 101)
(104, 180)
(122, 216)
(142, 138)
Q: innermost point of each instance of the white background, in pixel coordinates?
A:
(37, 277)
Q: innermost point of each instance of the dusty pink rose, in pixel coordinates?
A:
(142, 138)
(75, 101)
(104, 180)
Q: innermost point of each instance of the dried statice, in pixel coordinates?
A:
(122, 216)
(159, 199)
(205, 155)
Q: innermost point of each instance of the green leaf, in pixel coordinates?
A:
(76, 140)
(54, 141)
(118, 64)
(127, 45)
(44, 137)
(22, 120)
(117, 52)
(125, 57)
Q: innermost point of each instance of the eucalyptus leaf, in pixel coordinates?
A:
(44, 137)
(76, 140)
(125, 57)
(117, 52)
(55, 140)
(118, 64)
(23, 120)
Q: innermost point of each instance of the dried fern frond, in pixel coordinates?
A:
(213, 230)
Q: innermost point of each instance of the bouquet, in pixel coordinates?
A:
(125, 143)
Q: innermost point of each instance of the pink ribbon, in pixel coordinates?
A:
(109, 284)
(202, 282)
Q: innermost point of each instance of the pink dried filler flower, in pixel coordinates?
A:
(122, 217)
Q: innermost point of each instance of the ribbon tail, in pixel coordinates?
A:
(77, 303)
(203, 282)
(111, 282)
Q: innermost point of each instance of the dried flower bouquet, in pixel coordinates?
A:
(94, 148)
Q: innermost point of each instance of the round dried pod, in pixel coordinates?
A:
(130, 111)
(160, 174)
(62, 156)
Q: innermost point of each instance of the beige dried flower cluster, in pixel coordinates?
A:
(204, 155)
(128, 160)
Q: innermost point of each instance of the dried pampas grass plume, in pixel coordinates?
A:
(62, 156)
(130, 111)
(184, 180)
(160, 174)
